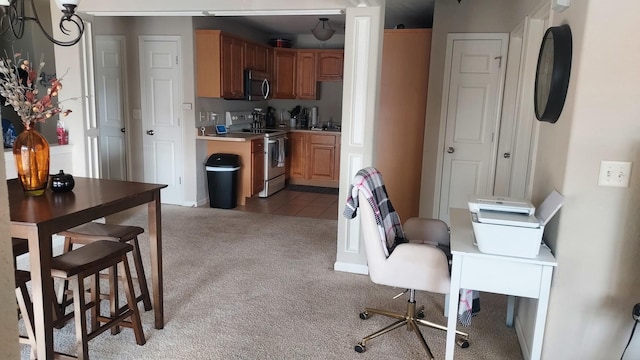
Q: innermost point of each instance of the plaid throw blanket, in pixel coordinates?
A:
(369, 180)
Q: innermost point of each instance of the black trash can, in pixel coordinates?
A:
(222, 176)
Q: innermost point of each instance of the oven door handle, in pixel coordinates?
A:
(275, 140)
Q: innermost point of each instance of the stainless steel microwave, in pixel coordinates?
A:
(257, 85)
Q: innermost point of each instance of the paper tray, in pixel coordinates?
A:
(507, 240)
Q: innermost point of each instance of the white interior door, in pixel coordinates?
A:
(473, 96)
(161, 113)
(111, 98)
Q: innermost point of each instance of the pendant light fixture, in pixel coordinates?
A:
(323, 30)
(13, 17)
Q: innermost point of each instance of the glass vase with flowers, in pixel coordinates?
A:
(18, 87)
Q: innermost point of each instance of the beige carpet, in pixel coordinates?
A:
(242, 285)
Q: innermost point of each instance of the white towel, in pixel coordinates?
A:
(280, 156)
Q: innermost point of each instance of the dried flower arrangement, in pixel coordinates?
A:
(18, 81)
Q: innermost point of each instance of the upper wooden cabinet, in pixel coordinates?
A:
(297, 72)
(330, 65)
(285, 65)
(307, 82)
(219, 65)
(256, 57)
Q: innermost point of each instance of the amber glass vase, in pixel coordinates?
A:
(31, 151)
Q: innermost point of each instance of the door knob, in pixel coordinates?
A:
(451, 150)
(149, 132)
(507, 155)
(122, 130)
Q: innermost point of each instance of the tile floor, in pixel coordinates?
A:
(295, 203)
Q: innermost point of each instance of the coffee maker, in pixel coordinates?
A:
(304, 118)
(270, 117)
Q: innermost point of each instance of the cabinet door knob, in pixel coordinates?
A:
(451, 150)
(150, 132)
(507, 155)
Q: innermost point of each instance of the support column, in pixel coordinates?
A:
(362, 68)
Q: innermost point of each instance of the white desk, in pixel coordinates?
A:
(507, 275)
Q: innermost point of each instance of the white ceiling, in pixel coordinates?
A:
(411, 13)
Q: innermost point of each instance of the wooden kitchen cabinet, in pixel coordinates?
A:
(232, 67)
(330, 65)
(314, 158)
(285, 82)
(307, 82)
(257, 166)
(219, 65)
(297, 155)
(256, 57)
(322, 157)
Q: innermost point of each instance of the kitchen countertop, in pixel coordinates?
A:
(234, 136)
(315, 131)
(241, 136)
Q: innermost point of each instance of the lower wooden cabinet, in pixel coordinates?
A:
(315, 159)
(297, 155)
(257, 166)
(322, 157)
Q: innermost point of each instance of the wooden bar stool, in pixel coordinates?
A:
(88, 261)
(90, 232)
(21, 246)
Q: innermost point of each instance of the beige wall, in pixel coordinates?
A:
(596, 238)
(453, 17)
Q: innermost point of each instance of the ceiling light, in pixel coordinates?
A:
(323, 30)
(13, 17)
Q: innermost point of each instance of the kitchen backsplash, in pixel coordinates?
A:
(329, 105)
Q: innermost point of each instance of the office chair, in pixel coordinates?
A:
(409, 265)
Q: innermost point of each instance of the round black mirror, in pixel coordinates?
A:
(552, 73)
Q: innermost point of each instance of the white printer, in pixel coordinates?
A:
(512, 227)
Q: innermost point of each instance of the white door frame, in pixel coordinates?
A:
(443, 113)
(90, 116)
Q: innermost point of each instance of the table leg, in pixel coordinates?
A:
(541, 313)
(155, 239)
(42, 290)
(511, 306)
(454, 297)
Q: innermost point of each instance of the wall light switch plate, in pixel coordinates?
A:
(614, 173)
(560, 5)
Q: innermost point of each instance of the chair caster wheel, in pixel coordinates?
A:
(463, 343)
(420, 314)
(364, 315)
(360, 348)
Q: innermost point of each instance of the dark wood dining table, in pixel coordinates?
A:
(37, 218)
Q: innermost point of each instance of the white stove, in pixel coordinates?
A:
(275, 149)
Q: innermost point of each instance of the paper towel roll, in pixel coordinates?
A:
(314, 116)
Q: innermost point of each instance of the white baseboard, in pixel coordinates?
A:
(351, 268)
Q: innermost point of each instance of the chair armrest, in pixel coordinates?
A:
(414, 266)
(428, 231)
